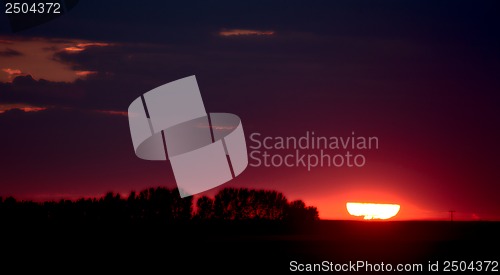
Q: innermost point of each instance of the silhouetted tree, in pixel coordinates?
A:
(268, 205)
(297, 211)
(205, 208)
(10, 201)
(133, 209)
(232, 204)
(182, 208)
(157, 204)
(161, 205)
(237, 204)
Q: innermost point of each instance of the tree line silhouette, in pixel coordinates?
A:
(165, 206)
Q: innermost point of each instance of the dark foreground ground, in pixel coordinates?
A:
(243, 247)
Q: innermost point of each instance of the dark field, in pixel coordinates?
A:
(242, 247)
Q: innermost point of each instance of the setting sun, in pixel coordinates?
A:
(372, 210)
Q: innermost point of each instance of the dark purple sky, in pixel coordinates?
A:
(422, 76)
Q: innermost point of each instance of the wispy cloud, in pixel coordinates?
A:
(8, 52)
(85, 73)
(11, 73)
(83, 46)
(245, 32)
(112, 112)
(20, 106)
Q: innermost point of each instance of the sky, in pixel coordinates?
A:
(421, 76)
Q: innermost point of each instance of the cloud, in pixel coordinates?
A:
(110, 77)
(11, 73)
(38, 57)
(20, 106)
(112, 112)
(103, 94)
(26, 90)
(85, 73)
(83, 46)
(244, 32)
(8, 52)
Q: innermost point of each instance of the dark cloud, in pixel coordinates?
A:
(9, 53)
(40, 92)
(190, 22)
(327, 49)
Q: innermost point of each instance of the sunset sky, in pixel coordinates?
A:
(422, 76)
